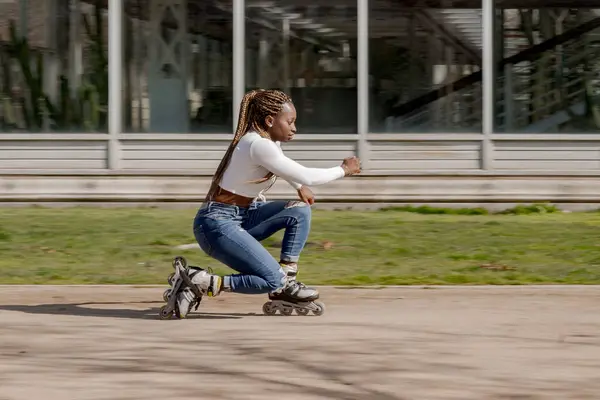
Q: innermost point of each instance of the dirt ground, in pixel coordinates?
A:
(106, 343)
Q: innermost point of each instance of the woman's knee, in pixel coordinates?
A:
(300, 210)
(276, 280)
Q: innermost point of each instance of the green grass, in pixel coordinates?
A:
(136, 246)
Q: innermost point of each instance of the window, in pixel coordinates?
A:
(425, 67)
(308, 51)
(61, 84)
(549, 80)
(178, 58)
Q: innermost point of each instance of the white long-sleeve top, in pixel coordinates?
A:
(254, 157)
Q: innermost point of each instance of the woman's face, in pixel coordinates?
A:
(282, 127)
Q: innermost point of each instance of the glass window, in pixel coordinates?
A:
(549, 81)
(425, 67)
(178, 74)
(53, 69)
(308, 51)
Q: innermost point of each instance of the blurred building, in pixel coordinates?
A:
(435, 88)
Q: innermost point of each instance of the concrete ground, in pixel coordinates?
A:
(106, 343)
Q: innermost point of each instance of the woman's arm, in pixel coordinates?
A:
(293, 184)
(267, 154)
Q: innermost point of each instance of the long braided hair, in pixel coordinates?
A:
(256, 106)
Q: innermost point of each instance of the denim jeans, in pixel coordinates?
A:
(232, 235)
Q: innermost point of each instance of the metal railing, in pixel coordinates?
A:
(460, 110)
(548, 91)
(538, 95)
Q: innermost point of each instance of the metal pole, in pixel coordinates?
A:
(286, 55)
(23, 25)
(51, 59)
(509, 104)
(362, 9)
(414, 55)
(239, 52)
(75, 47)
(115, 81)
(488, 72)
(448, 113)
(434, 111)
(263, 57)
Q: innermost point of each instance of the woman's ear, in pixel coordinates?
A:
(269, 121)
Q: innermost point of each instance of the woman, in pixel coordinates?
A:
(235, 216)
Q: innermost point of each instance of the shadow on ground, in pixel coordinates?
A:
(82, 310)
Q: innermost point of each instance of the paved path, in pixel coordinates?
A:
(105, 343)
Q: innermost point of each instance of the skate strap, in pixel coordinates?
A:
(190, 284)
(212, 285)
(209, 291)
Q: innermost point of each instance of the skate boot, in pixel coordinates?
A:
(188, 286)
(294, 296)
(291, 271)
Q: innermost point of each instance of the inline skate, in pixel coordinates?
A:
(295, 296)
(188, 285)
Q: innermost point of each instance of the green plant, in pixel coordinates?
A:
(7, 121)
(96, 91)
(538, 208)
(428, 210)
(83, 108)
(31, 64)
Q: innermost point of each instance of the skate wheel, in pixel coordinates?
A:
(320, 308)
(269, 308)
(170, 279)
(302, 311)
(164, 314)
(166, 295)
(287, 310)
(181, 260)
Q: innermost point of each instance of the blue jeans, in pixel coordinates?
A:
(231, 235)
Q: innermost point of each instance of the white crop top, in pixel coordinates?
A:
(254, 157)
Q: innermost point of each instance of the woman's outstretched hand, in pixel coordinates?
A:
(351, 165)
(306, 195)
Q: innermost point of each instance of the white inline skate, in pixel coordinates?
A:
(294, 296)
(188, 285)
